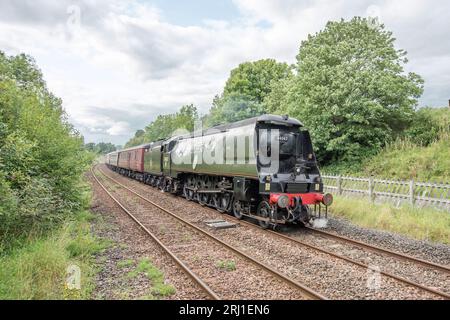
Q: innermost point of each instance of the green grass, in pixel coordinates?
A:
(37, 268)
(159, 287)
(125, 263)
(403, 159)
(417, 223)
(228, 265)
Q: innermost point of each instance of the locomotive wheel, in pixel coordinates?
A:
(163, 185)
(198, 185)
(223, 202)
(189, 194)
(203, 198)
(216, 202)
(237, 209)
(168, 186)
(264, 211)
(185, 191)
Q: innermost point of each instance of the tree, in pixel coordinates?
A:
(233, 107)
(245, 91)
(166, 125)
(42, 158)
(100, 148)
(139, 133)
(350, 90)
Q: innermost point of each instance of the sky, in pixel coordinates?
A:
(117, 64)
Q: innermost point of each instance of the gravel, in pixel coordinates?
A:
(205, 257)
(332, 277)
(130, 243)
(436, 252)
(418, 273)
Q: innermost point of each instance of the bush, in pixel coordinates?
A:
(42, 157)
(423, 129)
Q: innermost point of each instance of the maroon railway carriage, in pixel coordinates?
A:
(131, 161)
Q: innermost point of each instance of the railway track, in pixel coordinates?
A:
(362, 265)
(306, 292)
(185, 268)
(433, 291)
(374, 248)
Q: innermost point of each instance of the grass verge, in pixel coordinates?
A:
(417, 223)
(39, 268)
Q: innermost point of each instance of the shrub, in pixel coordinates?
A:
(42, 157)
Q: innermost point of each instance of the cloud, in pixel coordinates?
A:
(119, 128)
(117, 65)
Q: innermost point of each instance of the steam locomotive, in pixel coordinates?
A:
(263, 167)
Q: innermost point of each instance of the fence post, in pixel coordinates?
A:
(412, 199)
(339, 185)
(371, 189)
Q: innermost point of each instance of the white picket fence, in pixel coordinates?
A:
(397, 191)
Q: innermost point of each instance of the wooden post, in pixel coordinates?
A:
(371, 189)
(412, 199)
(339, 185)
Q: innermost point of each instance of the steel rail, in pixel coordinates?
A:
(185, 268)
(362, 265)
(382, 250)
(308, 292)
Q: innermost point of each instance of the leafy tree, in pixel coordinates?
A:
(139, 133)
(254, 79)
(245, 91)
(42, 158)
(233, 107)
(350, 90)
(90, 146)
(166, 125)
(101, 147)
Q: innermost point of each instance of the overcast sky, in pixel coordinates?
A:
(118, 65)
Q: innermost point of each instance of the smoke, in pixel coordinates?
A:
(320, 223)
